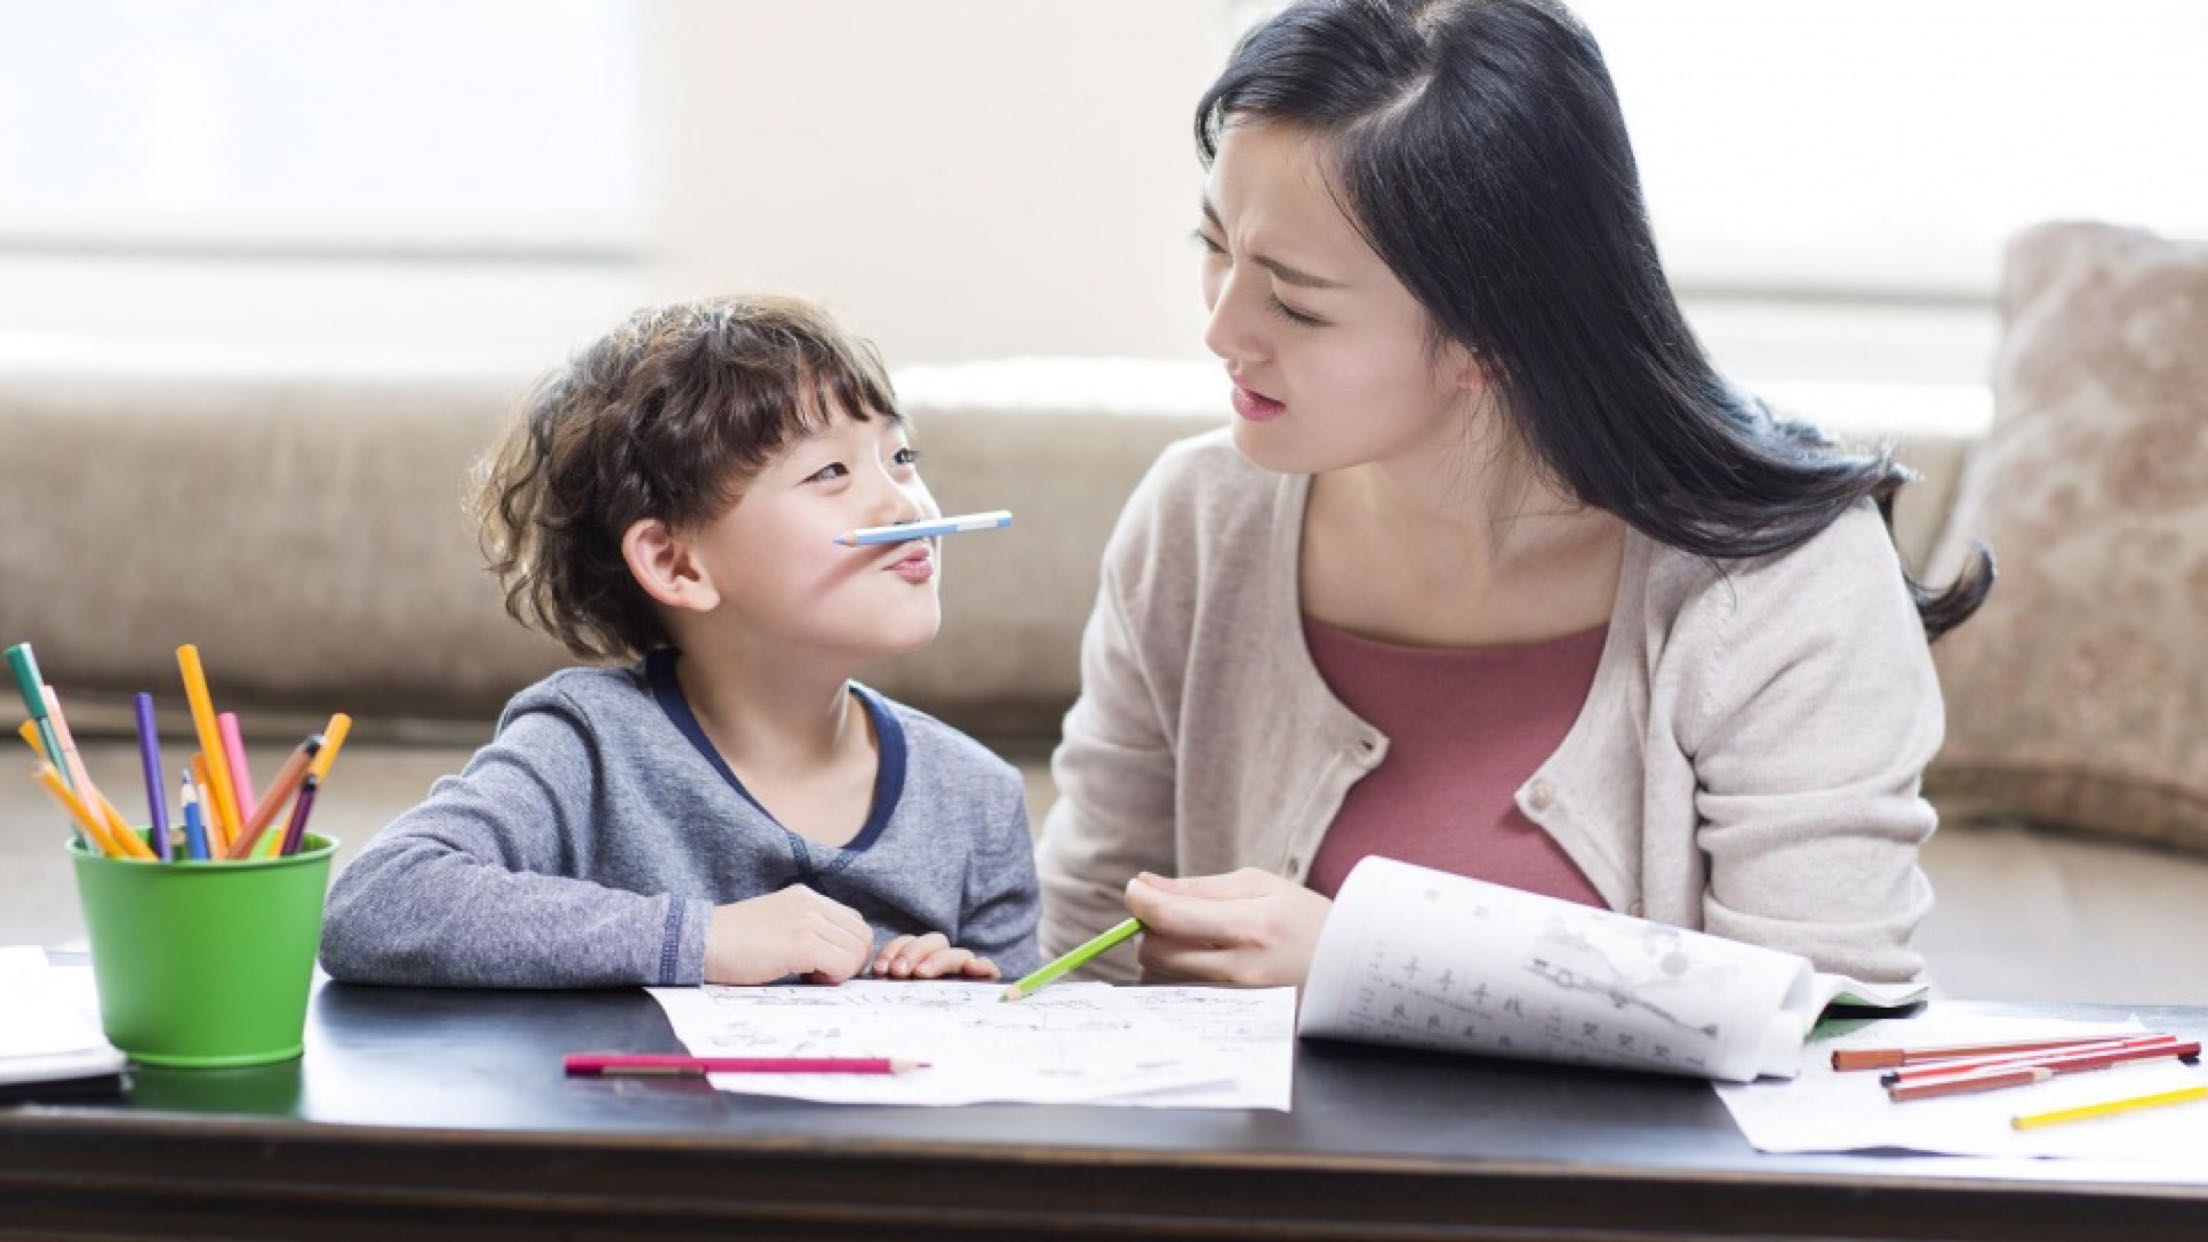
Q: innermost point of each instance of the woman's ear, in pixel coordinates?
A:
(661, 562)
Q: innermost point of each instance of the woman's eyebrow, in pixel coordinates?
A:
(1287, 275)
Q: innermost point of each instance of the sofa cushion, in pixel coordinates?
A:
(2078, 696)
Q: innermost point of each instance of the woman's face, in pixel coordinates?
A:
(1329, 353)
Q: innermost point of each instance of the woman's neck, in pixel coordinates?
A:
(1456, 549)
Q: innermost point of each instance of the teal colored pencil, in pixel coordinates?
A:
(1072, 961)
(27, 682)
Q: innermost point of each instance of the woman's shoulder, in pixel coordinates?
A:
(1848, 566)
(1201, 494)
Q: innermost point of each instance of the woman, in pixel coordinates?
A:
(1494, 573)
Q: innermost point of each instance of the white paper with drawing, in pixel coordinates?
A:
(1084, 1043)
(1432, 960)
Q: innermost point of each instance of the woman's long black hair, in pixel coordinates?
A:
(1478, 146)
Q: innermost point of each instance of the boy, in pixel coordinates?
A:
(731, 807)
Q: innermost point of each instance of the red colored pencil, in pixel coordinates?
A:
(1934, 1069)
(615, 1063)
(2102, 1060)
(1964, 1083)
(1890, 1058)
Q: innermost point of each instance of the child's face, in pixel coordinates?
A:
(773, 563)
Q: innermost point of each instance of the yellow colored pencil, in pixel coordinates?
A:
(333, 736)
(93, 831)
(124, 834)
(210, 741)
(28, 731)
(2032, 1121)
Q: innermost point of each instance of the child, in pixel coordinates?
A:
(730, 808)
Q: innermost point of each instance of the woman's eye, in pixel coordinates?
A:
(1210, 247)
(1292, 315)
(907, 456)
(833, 470)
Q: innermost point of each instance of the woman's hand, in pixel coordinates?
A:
(930, 957)
(792, 932)
(1247, 927)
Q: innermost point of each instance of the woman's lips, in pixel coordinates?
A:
(1256, 407)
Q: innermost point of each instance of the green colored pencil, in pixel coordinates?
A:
(1074, 960)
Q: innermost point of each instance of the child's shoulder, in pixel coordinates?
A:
(591, 697)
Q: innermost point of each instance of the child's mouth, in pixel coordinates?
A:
(916, 565)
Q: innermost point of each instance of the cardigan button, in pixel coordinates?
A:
(1540, 794)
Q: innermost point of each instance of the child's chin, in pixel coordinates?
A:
(898, 636)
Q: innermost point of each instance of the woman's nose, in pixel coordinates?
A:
(1233, 333)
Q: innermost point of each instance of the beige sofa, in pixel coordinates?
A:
(302, 524)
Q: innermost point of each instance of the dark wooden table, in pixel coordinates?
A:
(436, 1113)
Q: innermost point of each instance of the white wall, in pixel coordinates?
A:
(958, 180)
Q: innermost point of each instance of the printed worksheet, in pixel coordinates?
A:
(1432, 960)
(1086, 1043)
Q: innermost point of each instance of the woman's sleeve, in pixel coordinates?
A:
(1811, 715)
(1115, 775)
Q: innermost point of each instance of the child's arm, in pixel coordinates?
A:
(467, 890)
(1003, 898)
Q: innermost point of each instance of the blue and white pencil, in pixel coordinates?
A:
(995, 519)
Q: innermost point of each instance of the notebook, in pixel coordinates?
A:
(1430, 960)
(50, 1026)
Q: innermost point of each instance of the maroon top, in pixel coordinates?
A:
(1466, 727)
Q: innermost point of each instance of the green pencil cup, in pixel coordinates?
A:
(205, 964)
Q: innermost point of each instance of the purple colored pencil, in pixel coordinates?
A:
(149, 754)
(296, 830)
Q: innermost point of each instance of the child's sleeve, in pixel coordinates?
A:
(1003, 899)
(467, 890)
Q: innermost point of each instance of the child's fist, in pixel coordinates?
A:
(930, 957)
(792, 932)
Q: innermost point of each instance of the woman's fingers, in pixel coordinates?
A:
(1177, 914)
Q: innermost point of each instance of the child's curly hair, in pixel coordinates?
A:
(668, 416)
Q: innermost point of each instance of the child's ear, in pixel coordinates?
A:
(661, 562)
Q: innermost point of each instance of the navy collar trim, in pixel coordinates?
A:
(889, 772)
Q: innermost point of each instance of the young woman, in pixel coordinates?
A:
(1494, 572)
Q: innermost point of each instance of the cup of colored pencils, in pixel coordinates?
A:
(204, 919)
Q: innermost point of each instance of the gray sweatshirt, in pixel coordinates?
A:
(588, 843)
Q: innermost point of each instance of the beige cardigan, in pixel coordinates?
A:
(1747, 761)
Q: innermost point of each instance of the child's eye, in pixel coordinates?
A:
(1210, 247)
(907, 456)
(833, 470)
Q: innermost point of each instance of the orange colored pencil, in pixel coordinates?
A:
(210, 740)
(279, 792)
(93, 831)
(218, 833)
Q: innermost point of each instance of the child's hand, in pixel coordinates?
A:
(930, 957)
(792, 932)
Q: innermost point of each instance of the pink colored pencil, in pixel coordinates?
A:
(233, 753)
(616, 1063)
